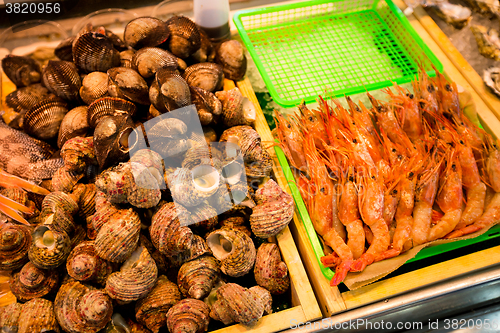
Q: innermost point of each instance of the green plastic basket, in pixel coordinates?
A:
(344, 46)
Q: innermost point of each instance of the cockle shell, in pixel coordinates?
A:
(167, 232)
(65, 181)
(169, 91)
(207, 76)
(234, 249)
(23, 99)
(64, 51)
(73, 124)
(62, 79)
(231, 55)
(273, 212)
(191, 187)
(85, 195)
(265, 296)
(197, 277)
(145, 31)
(152, 161)
(44, 119)
(32, 282)
(118, 237)
(236, 109)
(136, 277)
(160, 260)
(236, 304)
(126, 83)
(49, 248)
(9, 317)
(198, 248)
(78, 153)
(185, 36)
(270, 272)
(94, 51)
(456, 15)
(83, 264)
(247, 139)
(82, 309)
(148, 60)
(151, 311)
(209, 107)
(206, 52)
(188, 316)
(109, 106)
(57, 211)
(22, 71)
(37, 315)
(15, 241)
(94, 86)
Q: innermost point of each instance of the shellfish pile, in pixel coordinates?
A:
(155, 211)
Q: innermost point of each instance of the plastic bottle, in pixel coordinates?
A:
(213, 17)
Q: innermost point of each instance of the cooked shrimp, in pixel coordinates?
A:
(426, 91)
(411, 117)
(313, 123)
(448, 96)
(291, 141)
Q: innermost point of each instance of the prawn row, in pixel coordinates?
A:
(380, 181)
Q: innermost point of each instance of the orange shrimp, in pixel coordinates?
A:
(411, 116)
(313, 123)
(426, 90)
(291, 141)
(448, 96)
(362, 116)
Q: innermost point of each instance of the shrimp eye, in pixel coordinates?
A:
(393, 150)
(448, 87)
(461, 142)
(379, 108)
(311, 118)
(400, 157)
(430, 88)
(411, 96)
(373, 177)
(394, 191)
(358, 109)
(422, 105)
(289, 126)
(411, 174)
(351, 179)
(355, 141)
(322, 190)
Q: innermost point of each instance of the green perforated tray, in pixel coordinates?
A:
(343, 46)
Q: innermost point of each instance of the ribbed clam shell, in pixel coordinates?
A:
(270, 272)
(15, 241)
(23, 99)
(64, 51)
(272, 214)
(207, 76)
(78, 153)
(126, 83)
(270, 191)
(145, 31)
(109, 106)
(44, 119)
(198, 248)
(202, 155)
(236, 304)
(136, 277)
(118, 237)
(236, 223)
(33, 282)
(209, 107)
(126, 58)
(203, 217)
(167, 137)
(236, 109)
(84, 264)
(94, 86)
(86, 196)
(94, 52)
(169, 91)
(197, 277)
(57, 210)
(22, 71)
(151, 311)
(261, 168)
(234, 249)
(185, 37)
(49, 248)
(148, 60)
(73, 124)
(265, 296)
(9, 317)
(231, 55)
(37, 315)
(247, 139)
(160, 260)
(190, 190)
(82, 309)
(188, 316)
(102, 215)
(62, 78)
(64, 181)
(168, 235)
(206, 52)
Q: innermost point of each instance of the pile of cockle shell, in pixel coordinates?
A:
(145, 214)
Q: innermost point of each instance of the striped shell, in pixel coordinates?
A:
(65, 181)
(73, 124)
(31, 282)
(15, 241)
(136, 277)
(209, 107)
(118, 237)
(197, 277)
(265, 296)
(37, 315)
(203, 217)
(109, 106)
(234, 249)
(191, 187)
(247, 139)
(169, 91)
(126, 58)
(23, 99)
(231, 55)
(188, 316)
(62, 79)
(102, 215)
(185, 38)
(49, 248)
(82, 309)
(145, 31)
(236, 109)
(64, 50)
(9, 317)
(94, 86)
(202, 155)
(44, 119)
(94, 52)
(236, 222)
(78, 153)
(237, 304)
(85, 195)
(198, 248)
(261, 168)
(270, 272)
(151, 311)
(207, 76)
(152, 161)
(58, 209)
(148, 60)
(273, 212)
(84, 264)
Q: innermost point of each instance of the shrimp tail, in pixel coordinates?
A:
(463, 232)
(341, 272)
(331, 260)
(391, 253)
(363, 261)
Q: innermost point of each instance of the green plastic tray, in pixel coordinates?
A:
(344, 46)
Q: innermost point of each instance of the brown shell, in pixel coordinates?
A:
(198, 248)
(126, 58)
(65, 181)
(273, 212)
(58, 209)
(247, 139)
(82, 309)
(101, 216)
(44, 119)
(37, 315)
(49, 248)
(191, 187)
(169, 91)
(62, 79)
(84, 264)
(148, 60)
(126, 83)
(236, 109)
(73, 124)
(78, 153)
(236, 304)
(188, 316)
(94, 52)
(32, 282)
(265, 296)
(64, 51)
(151, 311)
(15, 241)
(231, 55)
(197, 277)
(168, 235)
(185, 38)
(145, 31)
(9, 317)
(207, 76)
(209, 107)
(109, 106)
(118, 237)
(203, 217)
(234, 249)
(22, 71)
(136, 277)
(261, 168)
(94, 86)
(86, 196)
(270, 272)
(202, 155)
(206, 52)
(23, 99)
(235, 222)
